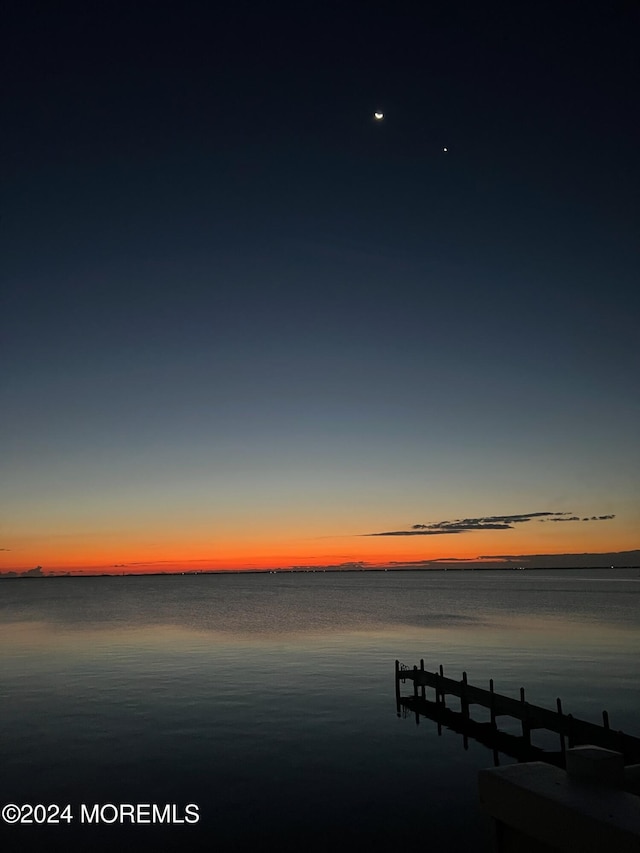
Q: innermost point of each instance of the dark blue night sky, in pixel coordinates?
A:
(243, 323)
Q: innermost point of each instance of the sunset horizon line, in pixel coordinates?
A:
(560, 560)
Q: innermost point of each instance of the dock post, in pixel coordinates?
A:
(492, 705)
(398, 687)
(464, 708)
(464, 704)
(562, 744)
(415, 694)
(526, 731)
(441, 688)
(605, 720)
(423, 690)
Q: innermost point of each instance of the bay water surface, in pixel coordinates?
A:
(268, 700)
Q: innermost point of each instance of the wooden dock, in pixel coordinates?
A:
(571, 730)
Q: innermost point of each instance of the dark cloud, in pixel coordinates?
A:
(560, 561)
(529, 561)
(33, 573)
(489, 522)
(504, 521)
(571, 518)
(413, 533)
(330, 567)
(577, 518)
(28, 573)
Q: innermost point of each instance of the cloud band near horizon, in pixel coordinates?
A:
(491, 522)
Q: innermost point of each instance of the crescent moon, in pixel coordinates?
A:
(378, 116)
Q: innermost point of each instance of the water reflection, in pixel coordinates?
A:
(303, 602)
(271, 697)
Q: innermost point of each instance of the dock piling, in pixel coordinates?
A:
(526, 728)
(441, 689)
(560, 726)
(464, 702)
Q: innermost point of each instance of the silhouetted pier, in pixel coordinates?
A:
(571, 730)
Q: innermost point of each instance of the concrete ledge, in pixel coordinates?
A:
(539, 807)
(597, 766)
(632, 778)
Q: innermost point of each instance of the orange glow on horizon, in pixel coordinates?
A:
(198, 554)
(176, 544)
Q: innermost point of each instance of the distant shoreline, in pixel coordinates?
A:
(404, 570)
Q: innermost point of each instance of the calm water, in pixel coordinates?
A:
(268, 700)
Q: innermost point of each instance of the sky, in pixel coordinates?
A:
(244, 324)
